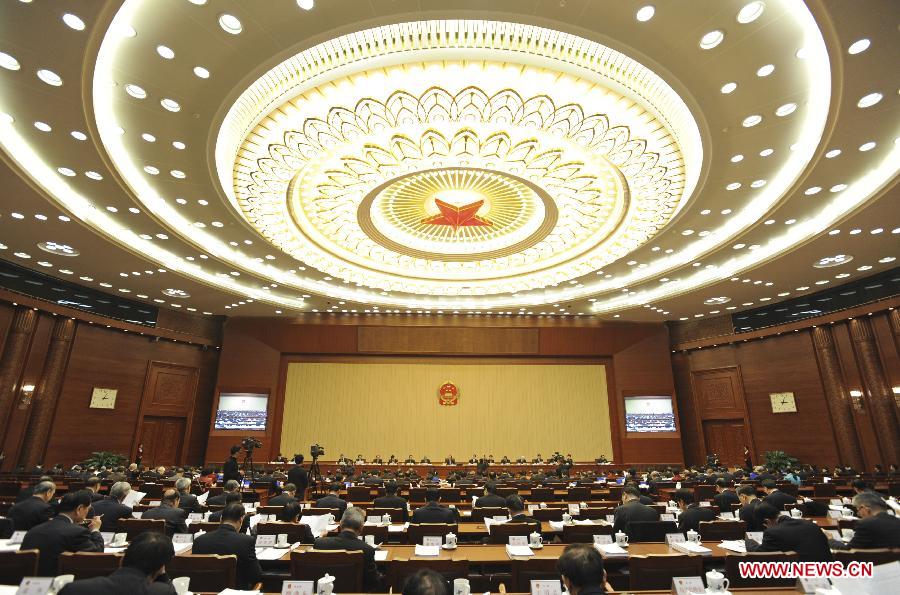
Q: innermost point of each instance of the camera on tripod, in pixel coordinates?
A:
(316, 451)
(250, 443)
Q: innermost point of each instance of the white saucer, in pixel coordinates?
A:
(281, 547)
(449, 547)
(537, 547)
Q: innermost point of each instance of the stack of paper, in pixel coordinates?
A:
(736, 545)
(428, 550)
(179, 547)
(689, 547)
(518, 550)
(133, 497)
(318, 524)
(557, 525)
(398, 528)
(611, 550)
(272, 553)
(381, 555)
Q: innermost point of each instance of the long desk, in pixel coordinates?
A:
(423, 469)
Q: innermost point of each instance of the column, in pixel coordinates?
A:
(877, 390)
(838, 398)
(46, 393)
(12, 361)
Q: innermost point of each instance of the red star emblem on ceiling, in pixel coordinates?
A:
(457, 217)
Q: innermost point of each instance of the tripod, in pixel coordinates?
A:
(248, 463)
(315, 474)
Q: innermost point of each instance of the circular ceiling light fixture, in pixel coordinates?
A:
(230, 24)
(750, 12)
(201, 72)
(645, 13)
(786, 109)
(859, 46)
(8, 62)
(715, 301)
(751, 121)
(135, 91)
(765, 70)
(73, 21)
(165, 52)
(53, 79)
(58, 249)
(712, 39)
(176, 293)
(832, 261)
(728, 88)
(306, 4)
(869, 100)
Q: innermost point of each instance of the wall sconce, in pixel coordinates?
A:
(856, 399)
(896, 391)
(27, 394)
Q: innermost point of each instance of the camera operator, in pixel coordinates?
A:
(231, 470)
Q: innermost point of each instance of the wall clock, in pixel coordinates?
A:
(783, 402)
(103, 398)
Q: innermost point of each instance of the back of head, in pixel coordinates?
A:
(298, 459)
(391, 489)
(44, 487)
(182, 484)
(425, 582)
(231, 485)
(632, 492)
(870, 500)
(722, 483)
(582, 564)
(170, 497)
(93, 482)
(119, 490)
(747, 490)
(233, 497)
(432, 495)
(289, 487)
(335, 487)
(769, 484)
(353, 518)
(490, 487)
(73, 500)
(233, 512)
(514, 503)
(685, 496)
(860, 484)
(148, 552)
(289, 512)
(763, 512)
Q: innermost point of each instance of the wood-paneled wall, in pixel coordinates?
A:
(65, 359)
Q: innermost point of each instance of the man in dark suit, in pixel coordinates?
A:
(521, 460)
(227, 540)
(433, 512)
(517, 513)
(28, 491)
(333, 500)
(230, 486)
(298, 476)
(505, 460)
(378, 460)
(490, 499)
(425, 460)
(410, 460)
(876, 527)
(786, 534)
(287, 495)
(691, 512)
(168, 511)
(142, 573)
(65, 532)
(449, 460)
(348, 539)
(231, 470)
(725, 496)
(747, 496)
(632, 510)
(111, 509)
(186, 500)
(581, 569)
(35, 509)
(392, 500)
(537, 459)
(776, 497)
(93, 486)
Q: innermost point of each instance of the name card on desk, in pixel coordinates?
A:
(610, 518)
(297, 588)
(265, 540)
(17, 537)
(833, 534)
(602, 539)
(673, 538)
(545, 588)
(810, 584)
(727, 515)
(667, 517)
(183, 538)
(835, 514)
(518, 540)
(35, 585)
(574, 509)
(195, 516)
(836, 502)
(532, 508)
(432, 540)
(687, 585)
(705, 504)
(373, 520)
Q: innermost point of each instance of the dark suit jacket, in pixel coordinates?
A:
(281, 500)
(449, 461)
(690, 518)
(524, 518)
(216, 500)
(794, 535)
(29, 513)
(124, 580)
(393, 502)
(298, 476)
(224, 541)
(230, 470)
(434, 513)
(188, 503)
(347, 540)
(880, 530)
(726, 499)
(174, 518)
(112, 511)
(332, 501)
(633, 511)
(491, 501)
(60, 535)
(746, 514)
(778, 499)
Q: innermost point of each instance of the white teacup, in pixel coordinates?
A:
(567, 518)
(535, 539)
(461, 586)
(450, 540)
(370, 539)
(693, 536)
(386, 519)
(796, 513)
(330, 518)
(281, 539)
(621, 538)
(61, 581)
(181, 584)
(716, 581)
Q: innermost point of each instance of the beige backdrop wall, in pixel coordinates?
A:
(392, 408)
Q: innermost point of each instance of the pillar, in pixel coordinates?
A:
(877, 391)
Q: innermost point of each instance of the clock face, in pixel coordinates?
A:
(783, 402)
(103, 398)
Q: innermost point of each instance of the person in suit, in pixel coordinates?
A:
(186, 500)
(433, 512)
(35, 509)
(632, 510)
(691, 512)
(378, 460)
(876, 528)
(360, 460)
(392, 500)
(348, 539)
(232, 498)
(333, 500)
(647, 500)
(65, 532)
(490, 499)
(725, 496)
(410, 460)
(298, 476)
(581, 568)
(111, 510)
(231, 486)
(747, 496)
(786, 534)
(537, 460)
(776, 497)
(93, 486)
(231, 470)
(425, 581)
(143, 571)
(392, 460)
(28, 491)
(287, 495)
(449, 460)
(227, 540)
(169, 511)
(291, 513)
(425, 460)
(517, 513)
(505, 460)
(473, 460)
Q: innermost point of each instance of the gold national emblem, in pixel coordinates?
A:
(448, 394)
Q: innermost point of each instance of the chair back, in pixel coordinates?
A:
(295, 531)
(380, 532)
(208, 572)
(584, 533)
(14, 566)
(594, 513)
(205, 526)
(733, 571)
(548, 514)
(656, 571)
(346, 568)
(894, 489)
(615, 492)
(450, 569)
(847, 524)
(415, 532)
(417, 494)
(579, 493)
(719, 530)
(450, 494)
(89, 564)
(875, 556)
(532, 569)
(153, 491)
(704, 492)
(502, 533)
(359, 494)
(396, 513)
(134, 527)
(10, 489)
(650, 531)
(789, 488)
(268, 509)
(478, 514)
(542, 495)
(824, 490)
(321, 511)
(507, 490)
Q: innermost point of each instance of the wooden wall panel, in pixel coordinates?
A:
(719, 393)
(458, 341)
(691, 434)
(862, 419)
(6, 316)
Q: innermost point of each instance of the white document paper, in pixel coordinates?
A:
(381, 555)
(689, 547)
(318, 524)
(428, 550)
(398, 528)
(132, 498)
(518, 550)
(35, 585)
(735, 545)
(202, 498)
(574, 510)
(754, 535)
(181, 547)
(271, 553)
(885, 579)
(557, 525)
(611, 550)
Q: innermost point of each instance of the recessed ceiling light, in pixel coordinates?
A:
(73, 21)
(859, 46)
(834, 232)
(134, 210)
(712, 39)
(63, 218)
(43, 127)
(765, 70)
(838, 188)
(66, 171)
(865, 267)
(49, 77)
(733, 186)
(757, 183)
(17, 215)
(176, 293)
(135, 91)
(832, 261)
(148, 137)
(8, 62)
(751, 121)
(832, 153)
(162, 236)
(217, 224)
(151, 170)
(126, 30)
(876, 231)
(112, 209)
(703, 212)
(22, 254)
(230, 24)
(177, 173)
(812, 190)
(728, 88)
(856, 231)
(643, 15)
(6, 118)
(790, 221)
(786, 109)
(687, 232)
(201, 72)
(40, 217)
(202, 202)
(887, 259)
(868, 146)
(170, 104)
(738, 246)
(842, 275)
(165, 52)
(58, 249)
(737, 158)
(726, 211)
(78, 135)
(198, 2)
(869, 100)
(181, 201)
(93, 175)
(766, 152)
(308, 5)
(750, 12)
(178, 145)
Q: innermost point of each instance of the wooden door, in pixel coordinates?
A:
(726, 438)
(163, 438)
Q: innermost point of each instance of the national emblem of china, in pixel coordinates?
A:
(448, 394)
